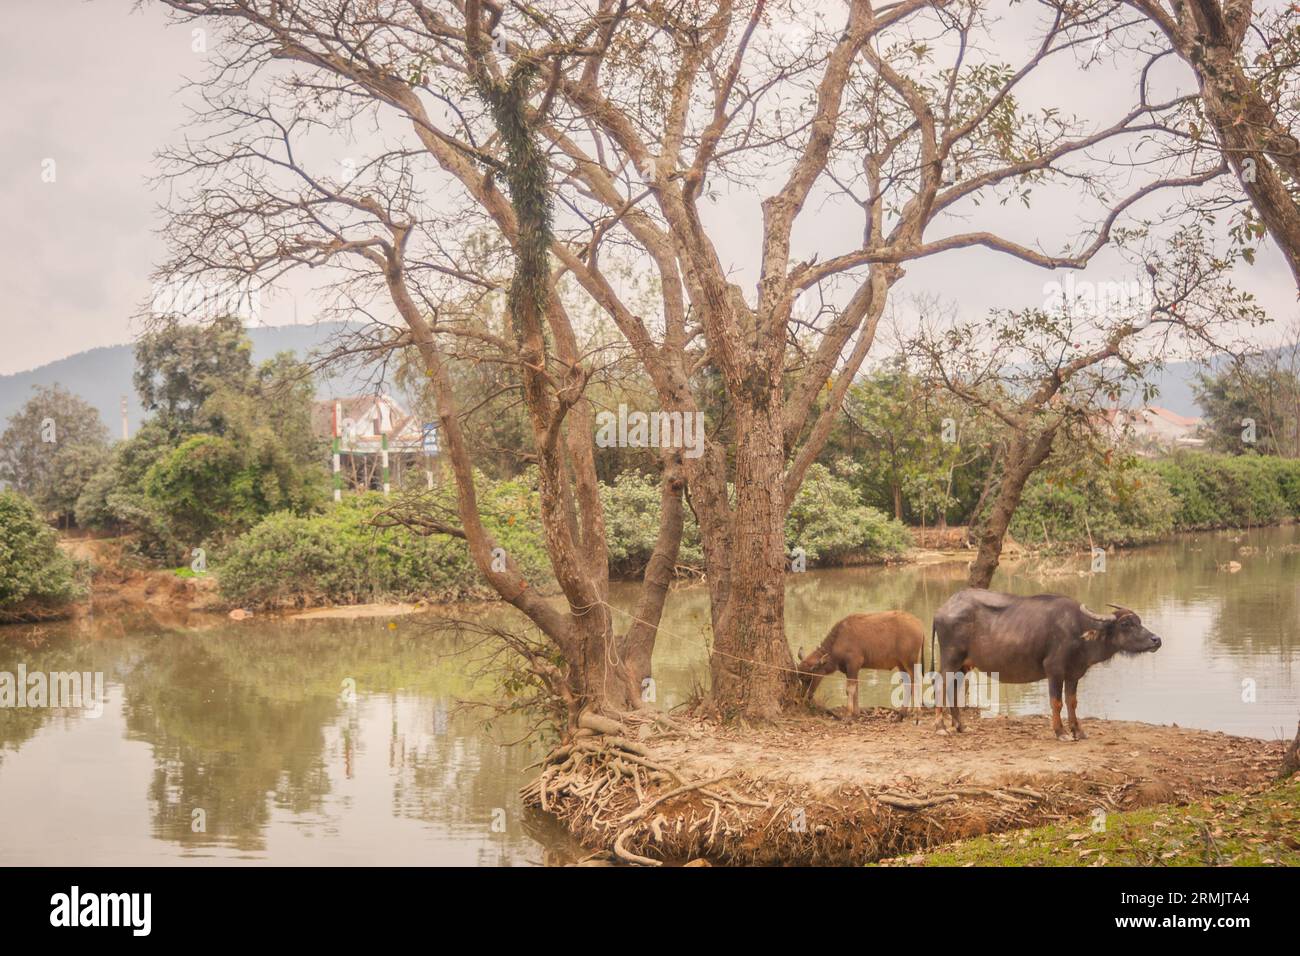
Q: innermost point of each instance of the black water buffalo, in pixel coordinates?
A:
(1026, 639)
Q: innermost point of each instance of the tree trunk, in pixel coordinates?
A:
(601, 680)
(752, 663)
(1291, 758)
(1021, 460)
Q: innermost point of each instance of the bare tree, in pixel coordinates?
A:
(615, 126)
(1043, 372)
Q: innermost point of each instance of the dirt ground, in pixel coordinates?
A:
(817, 790)
(1148, 763)
(352, 612)
(117, 584)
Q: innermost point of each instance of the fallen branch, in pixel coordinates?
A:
(914, 803)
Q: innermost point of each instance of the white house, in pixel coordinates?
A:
(1154, 428)
(374, 440)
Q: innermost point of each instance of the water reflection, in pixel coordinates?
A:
(254, 726)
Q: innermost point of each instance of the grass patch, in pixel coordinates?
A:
(1260, 828)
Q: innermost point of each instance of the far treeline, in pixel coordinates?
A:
(226, 463)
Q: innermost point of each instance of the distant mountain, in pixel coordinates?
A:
(102, 376)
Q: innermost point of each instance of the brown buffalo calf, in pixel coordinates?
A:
(890, 640)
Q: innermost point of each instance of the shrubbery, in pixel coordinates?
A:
(631, 504)
(1227, 491)
(1190, 491)
(36, 577)
(1134, 506)
(226, 445)
(341, 556)
(830, 522)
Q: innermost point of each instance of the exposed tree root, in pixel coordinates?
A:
(642, 791)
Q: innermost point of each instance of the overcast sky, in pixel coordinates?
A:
(95, 87)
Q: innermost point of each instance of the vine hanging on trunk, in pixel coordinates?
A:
(525, 168)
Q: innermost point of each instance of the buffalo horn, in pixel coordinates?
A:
(1098, 620)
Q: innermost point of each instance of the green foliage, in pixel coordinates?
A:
(52, 448)
(1221, 491)
(36, 577)
(829, 521)
(200, 474)
(115, 498)
(893, 428)
(72, 468)
(345, 555)
(527, 173)
(1264, 389)
(1135, 502)
(178, 367)
(202, 486)
(1124, 505)
(631, 505)
(212, 486)
(342, 556)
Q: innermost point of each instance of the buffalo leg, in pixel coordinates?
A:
(1072, 704)
(851, 687)
(938, 701)
(909, 703)
(1054, 691)
(959, 693)
(951, 664)
(936, 677)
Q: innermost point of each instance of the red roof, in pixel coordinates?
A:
(1174, 417)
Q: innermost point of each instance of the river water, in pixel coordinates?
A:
(355, 742)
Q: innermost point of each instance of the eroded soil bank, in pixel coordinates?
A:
(813, 789)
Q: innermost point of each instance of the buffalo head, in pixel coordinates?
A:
(1123, 630)
(818, 663)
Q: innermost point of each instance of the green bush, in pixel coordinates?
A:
(830, 522)
(1227, 491)
(342, 557)
(115, 500)
(1117, 507)
(200, 487)
(1286, 472)
(36, 577)
(210, 487)
(632, 524)
(1190, 491)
